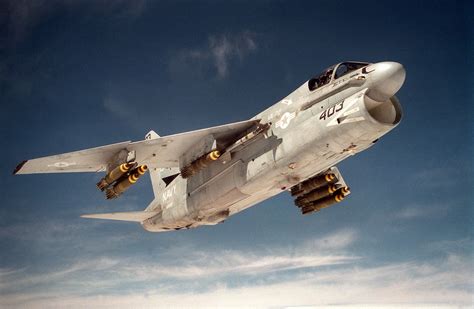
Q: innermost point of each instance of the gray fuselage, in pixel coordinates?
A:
(312, 129)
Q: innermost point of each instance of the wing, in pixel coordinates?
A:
(89, 160)
(134, 216)
(160, 152)
(163, 152)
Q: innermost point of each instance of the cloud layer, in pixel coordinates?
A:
(318, 272)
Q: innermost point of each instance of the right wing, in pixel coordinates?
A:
(163, 152)
(159, 152)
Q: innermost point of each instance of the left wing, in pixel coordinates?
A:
(159, 152)
(89, 160)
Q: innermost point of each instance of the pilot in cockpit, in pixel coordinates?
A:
(325, 78)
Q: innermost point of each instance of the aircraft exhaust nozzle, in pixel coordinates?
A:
(313, 183)
(321, 204)
(200, 163)
(115, 174)
(122, 185)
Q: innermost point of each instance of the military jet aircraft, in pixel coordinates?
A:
(203, 177)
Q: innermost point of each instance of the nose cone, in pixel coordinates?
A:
(386, 79)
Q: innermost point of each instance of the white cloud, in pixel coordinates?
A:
(21, 277)
(437, 177)
(414, 211)
(219, 52)
(116, 107)
(184, 267)
(319, 272)
(451, 245)
(192, 266)
(409, 213)
(336, 241)
(6, 272)
(126, 112)
(229, 263)
(398, 284)
(44, 230)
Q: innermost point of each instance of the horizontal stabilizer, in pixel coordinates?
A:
(134, 216)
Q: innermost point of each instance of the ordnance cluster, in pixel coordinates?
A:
(205, 160)
(200, 163)
(120, 179)
(319, 192)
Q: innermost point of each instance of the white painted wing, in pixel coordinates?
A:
(160, 152)
(165, 151)
(89, 160)
(134, 216)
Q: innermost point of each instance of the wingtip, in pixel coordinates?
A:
(18, 167)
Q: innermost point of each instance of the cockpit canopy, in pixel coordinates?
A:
(334, 72)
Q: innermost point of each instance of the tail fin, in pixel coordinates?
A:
(160, 177)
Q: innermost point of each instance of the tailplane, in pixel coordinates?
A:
(134, 216)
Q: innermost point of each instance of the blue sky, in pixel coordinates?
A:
(79, 74)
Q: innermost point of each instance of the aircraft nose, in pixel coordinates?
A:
(386, 79)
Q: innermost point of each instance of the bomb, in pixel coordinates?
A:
(115, 174)
(313, 183)
(321, 204)
(316, 195)
(125, 183)
(200, 163)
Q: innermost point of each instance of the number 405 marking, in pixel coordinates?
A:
(330, 111)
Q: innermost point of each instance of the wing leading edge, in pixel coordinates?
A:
(88, 160)
(160, 152)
